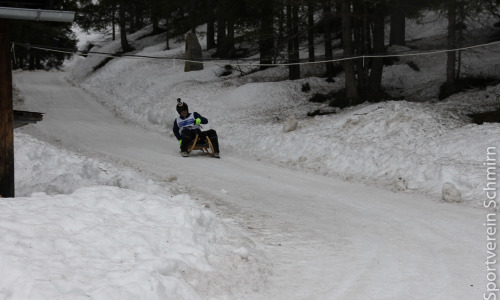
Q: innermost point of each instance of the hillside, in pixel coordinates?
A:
(416, 144)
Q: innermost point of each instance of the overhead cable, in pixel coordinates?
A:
(249, 62)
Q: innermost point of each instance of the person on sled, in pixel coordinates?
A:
(187, 125)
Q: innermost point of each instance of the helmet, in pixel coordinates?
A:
(181, 106)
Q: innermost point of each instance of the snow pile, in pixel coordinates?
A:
(400, 145)
(109, 233)
(97, 252)
(41, 167)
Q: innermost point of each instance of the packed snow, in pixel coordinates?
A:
(341, 206)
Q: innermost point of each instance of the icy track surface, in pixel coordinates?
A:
(310, 237)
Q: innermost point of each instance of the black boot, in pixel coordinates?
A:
(215, 144)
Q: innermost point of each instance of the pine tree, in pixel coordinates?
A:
(46, 35)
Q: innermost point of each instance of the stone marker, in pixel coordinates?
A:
(193, 53)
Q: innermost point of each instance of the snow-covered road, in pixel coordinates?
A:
(321, 238)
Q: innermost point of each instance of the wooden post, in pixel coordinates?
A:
(6, 115)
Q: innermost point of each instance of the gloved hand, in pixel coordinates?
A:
(180, 143)
(198, 121)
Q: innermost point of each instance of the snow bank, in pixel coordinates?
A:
(43, 168)
(90, 229)
(103, 242)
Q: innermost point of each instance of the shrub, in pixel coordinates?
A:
(306, 87)
(102, 63)
(413, 65)
(319, 112)
(228, 70)
(488, 117)
(318, 98)
(467, 83)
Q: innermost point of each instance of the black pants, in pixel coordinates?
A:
(189, 135)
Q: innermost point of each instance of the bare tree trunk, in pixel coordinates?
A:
(327, 20)
(378, 47)
(461, 13)
(155, 16)
(113, 22)
(292, 12)
(138, 15)
(310, 31)
(289, 35)
(31, 61)
(123, 28)
(210, 24)
(155, 21)
(398, 23)
(230, 49)
(167, 35)
(281, 33)
(192, 16)
(350, 79)
(363, 45)
(266, 33)
(451, 61)
(221, 33)
(296, 38)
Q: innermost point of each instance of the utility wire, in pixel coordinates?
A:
(250, 62)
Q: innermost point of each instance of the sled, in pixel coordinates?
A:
(205, 146)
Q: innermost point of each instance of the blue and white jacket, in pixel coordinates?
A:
(188, 122)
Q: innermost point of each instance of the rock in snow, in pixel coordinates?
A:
(291, 124)
(450, 193)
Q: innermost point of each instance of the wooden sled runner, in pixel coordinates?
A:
(205, 146)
